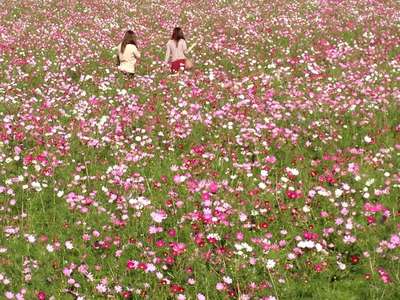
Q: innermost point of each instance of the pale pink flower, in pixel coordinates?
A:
(158, 216)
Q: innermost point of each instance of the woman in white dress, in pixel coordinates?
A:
(128, 54)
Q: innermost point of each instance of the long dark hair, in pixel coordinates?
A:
(177, 35)
(129, 38)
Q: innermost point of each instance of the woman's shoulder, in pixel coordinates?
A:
(174, 43)
(131, 47)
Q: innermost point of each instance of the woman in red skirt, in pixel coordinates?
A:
(176, 50)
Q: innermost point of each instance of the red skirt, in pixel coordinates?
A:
(177, 65)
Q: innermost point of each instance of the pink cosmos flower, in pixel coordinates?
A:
(131, 264)
(200, 297)
(67, 272)
(155, 229)
(41, 295)
(178, 248)
(205, 196)
(239, 236)
(395, 240)
(353, 168)
(158, 216)
(179, 179)
(213, 187)
(270, 159)
(385, 277)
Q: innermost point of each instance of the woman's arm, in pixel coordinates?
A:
(184, 47)
(136, 52)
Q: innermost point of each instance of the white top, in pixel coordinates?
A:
(175, 51)
(128, 58)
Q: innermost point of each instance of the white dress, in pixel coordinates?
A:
(128, 58)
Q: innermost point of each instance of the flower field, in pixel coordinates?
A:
(270, 171)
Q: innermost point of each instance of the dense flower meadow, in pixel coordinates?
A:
(271, 171)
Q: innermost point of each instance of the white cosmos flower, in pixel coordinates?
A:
(367, 139)
(370, 182)
(341, 266)
(324, 193)
(30, 238)
(227, 280)
(270, 264)
(338, 193)
(37, 186)
(68, 245)
(306, 244)
(293, 171)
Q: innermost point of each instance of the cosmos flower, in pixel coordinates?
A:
(283, 157)
(158, 216)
